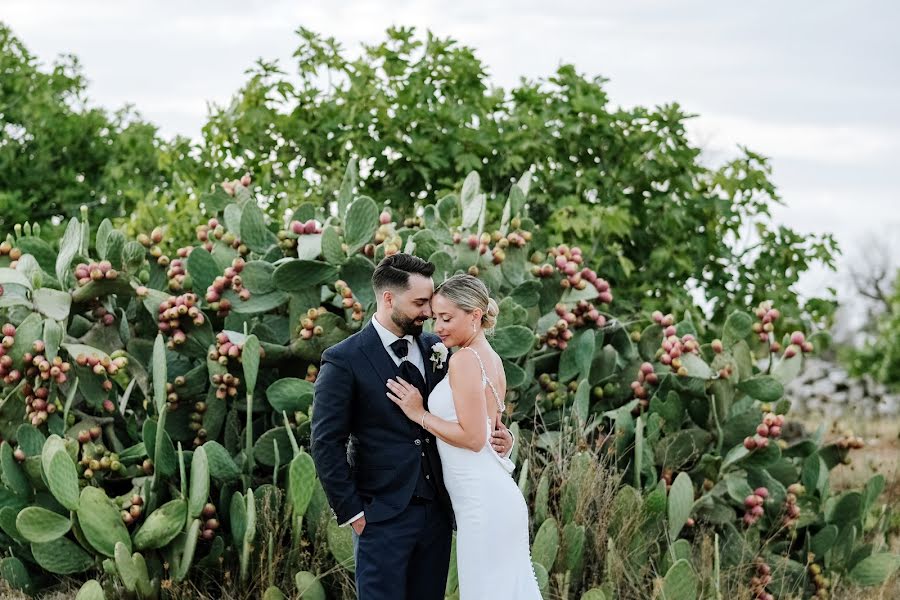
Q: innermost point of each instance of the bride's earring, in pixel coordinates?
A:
(473, 327)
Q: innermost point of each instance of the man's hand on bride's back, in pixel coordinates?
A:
(501, 438)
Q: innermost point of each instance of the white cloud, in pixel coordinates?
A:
(820, 142)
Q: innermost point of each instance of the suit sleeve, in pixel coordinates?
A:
(331, 422)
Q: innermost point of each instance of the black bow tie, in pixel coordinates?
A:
(400, 348)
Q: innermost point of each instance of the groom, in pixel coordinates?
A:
(381, 472)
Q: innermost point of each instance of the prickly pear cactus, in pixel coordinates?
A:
(150, 390)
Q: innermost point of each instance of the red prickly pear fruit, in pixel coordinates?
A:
(762, 442)
(717, 346)
(798, 338)
(762, 492)
(657, 316)
(297, 227)
(807, 347)
(757, 511)
(605, 297)
(473, 241)
(561, 262)
(774, 431)
(790, 351)
(19, 455)
(750, 443)
(384, 218)
(310, 226)
(245, 180)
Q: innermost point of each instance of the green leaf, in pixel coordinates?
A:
(221, 466)
(52, 303)
(100, 522)
(762, 388)
(345, 196)
(680, 582)
(162, 525)
(824, 540)
(651, 339)
(340, 542)
(546, 544)
(875, 569)
(584, 353)
(68, 247)
(696, 366)
(13, 475)
(332, 251)
(202, 268)
(91, 590)
(264, 448)
(250, 362)
(681, 500)
(8, 276)
(257, 276)
(513, 341)
(301, 479)
(13, 571)
(290, 394)
(526, 294)
(737, 327)
(788, 369)
(516, 376)
(257, 303)
(30, 439)
(471, 200)
(675, 451)
(62, 556)
(298, 275)
(582, 404)
(159, 374)
(40, 525)
(361, 223)
(103, 231)
(254, 232)
(199, 490)
(62, 479)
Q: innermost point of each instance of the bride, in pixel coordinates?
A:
(462, 410)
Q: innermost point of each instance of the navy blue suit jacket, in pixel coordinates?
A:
(367, 452)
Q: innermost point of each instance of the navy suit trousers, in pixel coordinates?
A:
(405, 557)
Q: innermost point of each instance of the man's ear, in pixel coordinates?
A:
(388, 297)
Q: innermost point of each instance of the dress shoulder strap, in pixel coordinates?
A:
(485, 379)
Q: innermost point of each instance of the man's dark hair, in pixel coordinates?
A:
(393, 272)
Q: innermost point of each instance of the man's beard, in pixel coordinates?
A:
(407, 325)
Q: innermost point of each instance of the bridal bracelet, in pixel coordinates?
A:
(424, 414)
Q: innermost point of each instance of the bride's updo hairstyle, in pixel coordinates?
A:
(469, 293)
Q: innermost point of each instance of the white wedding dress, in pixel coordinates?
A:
(493, 554)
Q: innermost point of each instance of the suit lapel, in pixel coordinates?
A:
(377, 355)
(427, 364)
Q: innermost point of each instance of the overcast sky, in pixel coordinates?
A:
(813, 85)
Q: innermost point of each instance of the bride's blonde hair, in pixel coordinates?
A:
(469, 293)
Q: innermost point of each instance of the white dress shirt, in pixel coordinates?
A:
(388, 337)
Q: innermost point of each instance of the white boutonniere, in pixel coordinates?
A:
(438, 356)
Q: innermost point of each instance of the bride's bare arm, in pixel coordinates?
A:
(468, 398)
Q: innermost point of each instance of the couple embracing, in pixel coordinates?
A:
(408, 440)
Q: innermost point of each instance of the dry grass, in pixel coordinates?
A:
(633, 576)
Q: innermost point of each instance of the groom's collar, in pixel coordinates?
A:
(387, 336)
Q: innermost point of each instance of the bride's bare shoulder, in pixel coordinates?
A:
(463, 362)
